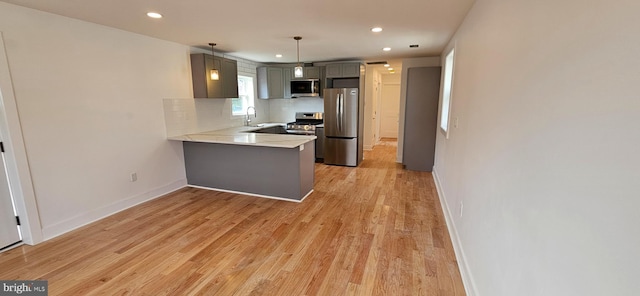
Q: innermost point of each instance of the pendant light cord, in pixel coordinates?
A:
(212, 45)
(297, 38)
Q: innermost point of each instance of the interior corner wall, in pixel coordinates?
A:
(90, 106)
(545, 156)
(406, 64)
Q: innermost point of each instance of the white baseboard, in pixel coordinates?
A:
(253, 194)
(80, 220)
(367, 147)
(465, 272)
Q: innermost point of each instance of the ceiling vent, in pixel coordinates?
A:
(377, 63)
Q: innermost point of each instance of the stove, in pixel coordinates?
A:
(305, 123)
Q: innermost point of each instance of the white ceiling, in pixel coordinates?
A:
(260, 29)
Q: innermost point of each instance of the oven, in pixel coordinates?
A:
(309, 123)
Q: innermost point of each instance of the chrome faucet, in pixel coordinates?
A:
(247, 120)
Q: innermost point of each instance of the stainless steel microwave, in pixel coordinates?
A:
(305, 88)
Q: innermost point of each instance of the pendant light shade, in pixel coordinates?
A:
(215, 75)
(298, 71)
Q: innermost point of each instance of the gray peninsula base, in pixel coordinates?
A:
(283, 173)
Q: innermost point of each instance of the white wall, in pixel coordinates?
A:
(545, 158)
(90, 106)
(406, 64)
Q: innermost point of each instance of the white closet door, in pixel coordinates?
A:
(9, 234)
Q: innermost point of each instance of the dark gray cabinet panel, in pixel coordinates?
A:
(421, 118)
(204, 86)
(229, 78)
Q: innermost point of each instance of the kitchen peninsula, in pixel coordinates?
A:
(279, 166)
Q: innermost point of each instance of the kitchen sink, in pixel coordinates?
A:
(278, 129)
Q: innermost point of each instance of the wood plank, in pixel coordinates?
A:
(372, 230)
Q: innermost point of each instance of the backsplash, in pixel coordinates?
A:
(284, 110)
(188, 116)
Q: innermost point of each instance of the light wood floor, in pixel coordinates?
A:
(371, 230)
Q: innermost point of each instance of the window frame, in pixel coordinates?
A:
(250, 100)
(447, 93)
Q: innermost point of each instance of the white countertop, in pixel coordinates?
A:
(242, 135)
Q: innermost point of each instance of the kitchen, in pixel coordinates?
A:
(340, 145)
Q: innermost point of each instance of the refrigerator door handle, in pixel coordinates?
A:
(341, 111)
(338, 111)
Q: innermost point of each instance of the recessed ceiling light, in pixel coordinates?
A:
(387, 49)
(278, 56)
(387, 65)
(376, 30)
(390, 69)
(392, 72)
(154, 15)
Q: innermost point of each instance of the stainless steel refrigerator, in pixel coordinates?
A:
(342, 126)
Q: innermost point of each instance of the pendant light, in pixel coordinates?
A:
(297, 71)
(215, 75)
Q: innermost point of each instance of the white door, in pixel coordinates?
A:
(390, 111)
(9, 233)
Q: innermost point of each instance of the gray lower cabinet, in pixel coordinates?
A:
(204, 86)
(271, 83)
(421, 118)
(342, 70)
(285, 173)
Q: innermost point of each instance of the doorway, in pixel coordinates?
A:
(390, 111)
(9, 224)
(17, 197)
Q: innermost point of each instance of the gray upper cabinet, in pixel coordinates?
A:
(204, 86)
(274, 82)
(271, 82)
(334, 70)
(309, 73)
(351, 70)
(343, 70)
(312, 72)
(287, 75)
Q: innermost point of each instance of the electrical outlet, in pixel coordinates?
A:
(455, 122)
(461, 208)
(134, 177)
